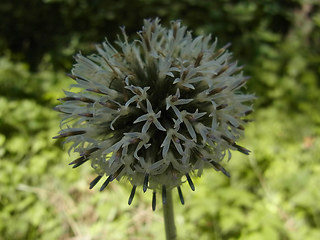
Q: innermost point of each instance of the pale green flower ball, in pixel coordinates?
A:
(155, 110)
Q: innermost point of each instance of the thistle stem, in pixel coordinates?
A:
(168, 216)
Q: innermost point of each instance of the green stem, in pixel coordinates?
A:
(168, 216)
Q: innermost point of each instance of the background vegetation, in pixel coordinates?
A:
(272, 194)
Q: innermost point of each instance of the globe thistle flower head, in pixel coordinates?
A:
(155, 111)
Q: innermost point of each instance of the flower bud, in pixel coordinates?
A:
(156, 110)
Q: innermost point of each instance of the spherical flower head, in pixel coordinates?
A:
(157, 110)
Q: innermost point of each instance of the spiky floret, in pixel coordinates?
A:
(155, 110)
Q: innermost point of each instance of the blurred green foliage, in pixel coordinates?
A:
(272, 194)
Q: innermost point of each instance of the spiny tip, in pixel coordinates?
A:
(154, 200)
(180, 195)
(133, 191)
(105, 184)
(190, 182)
(145, 183)
(95, 181)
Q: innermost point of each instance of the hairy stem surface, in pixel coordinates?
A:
(168, 216)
